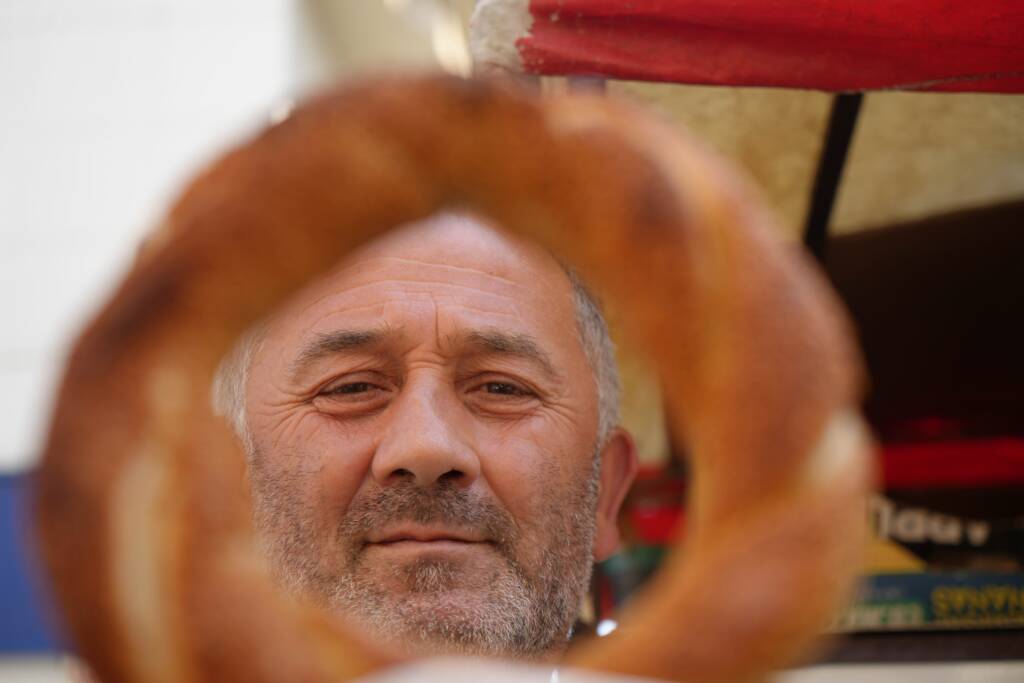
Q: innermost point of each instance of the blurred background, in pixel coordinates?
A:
(111, 105)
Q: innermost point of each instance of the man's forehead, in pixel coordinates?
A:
(460, 241)
(452, 258)
(470, 273)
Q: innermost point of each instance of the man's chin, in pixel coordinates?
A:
(436, 606)
(457, 621)
(447, 605)
(433, 573)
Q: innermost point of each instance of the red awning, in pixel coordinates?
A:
(834, 45)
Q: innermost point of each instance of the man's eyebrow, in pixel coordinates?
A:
(512, 344)
(329, 343)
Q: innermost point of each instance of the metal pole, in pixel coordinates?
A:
(841, 124)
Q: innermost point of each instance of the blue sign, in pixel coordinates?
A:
(23, 626)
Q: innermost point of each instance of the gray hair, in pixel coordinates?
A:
(230, 380)
(599, 349)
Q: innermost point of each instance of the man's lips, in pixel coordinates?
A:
(417, 534)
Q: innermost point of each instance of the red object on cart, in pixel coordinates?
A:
(996, 461)
(833, 45)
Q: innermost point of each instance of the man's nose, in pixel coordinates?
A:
(423, 445)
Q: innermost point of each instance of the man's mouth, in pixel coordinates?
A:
(423, 536)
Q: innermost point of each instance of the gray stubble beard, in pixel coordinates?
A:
(524, 612)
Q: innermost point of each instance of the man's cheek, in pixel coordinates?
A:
(340, 480)
(290, 427)
(335, 462)
(537, 457)
(528, 476)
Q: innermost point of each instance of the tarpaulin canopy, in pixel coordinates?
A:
(834, 45)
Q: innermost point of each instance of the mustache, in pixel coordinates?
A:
(441, 504)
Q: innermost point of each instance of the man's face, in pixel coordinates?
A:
(424, 431)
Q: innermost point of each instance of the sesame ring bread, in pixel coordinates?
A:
(141, 504)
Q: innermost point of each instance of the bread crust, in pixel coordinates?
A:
(140, 503)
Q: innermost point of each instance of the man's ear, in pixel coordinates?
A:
(618, 469)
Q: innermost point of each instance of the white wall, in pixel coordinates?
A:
(108, 106)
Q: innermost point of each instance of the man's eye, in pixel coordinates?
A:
(353, 398)
(351, 388)
(505, 389)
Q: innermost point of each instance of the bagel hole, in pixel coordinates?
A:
(322, 379)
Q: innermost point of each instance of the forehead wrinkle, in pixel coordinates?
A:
(409, 281)
(516, 314)
(443, 266)
(418, 286)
